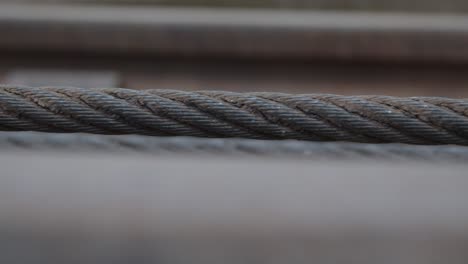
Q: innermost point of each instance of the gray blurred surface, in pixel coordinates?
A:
(67, 78)
(228, 147)
(137, 209)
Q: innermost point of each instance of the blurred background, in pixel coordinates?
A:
(437, 6)
(297, 46)
(132, 209)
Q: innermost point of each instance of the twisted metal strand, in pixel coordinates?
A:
(315, 117)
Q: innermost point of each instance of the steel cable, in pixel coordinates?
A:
(314, 117)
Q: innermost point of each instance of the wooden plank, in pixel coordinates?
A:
(235, 33)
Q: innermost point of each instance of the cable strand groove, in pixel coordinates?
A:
(313, 117)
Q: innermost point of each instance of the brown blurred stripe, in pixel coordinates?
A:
(234, 33)
(456, 6)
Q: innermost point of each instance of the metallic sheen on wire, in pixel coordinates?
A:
(219, 114)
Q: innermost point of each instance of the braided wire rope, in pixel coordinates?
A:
(260, 115)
